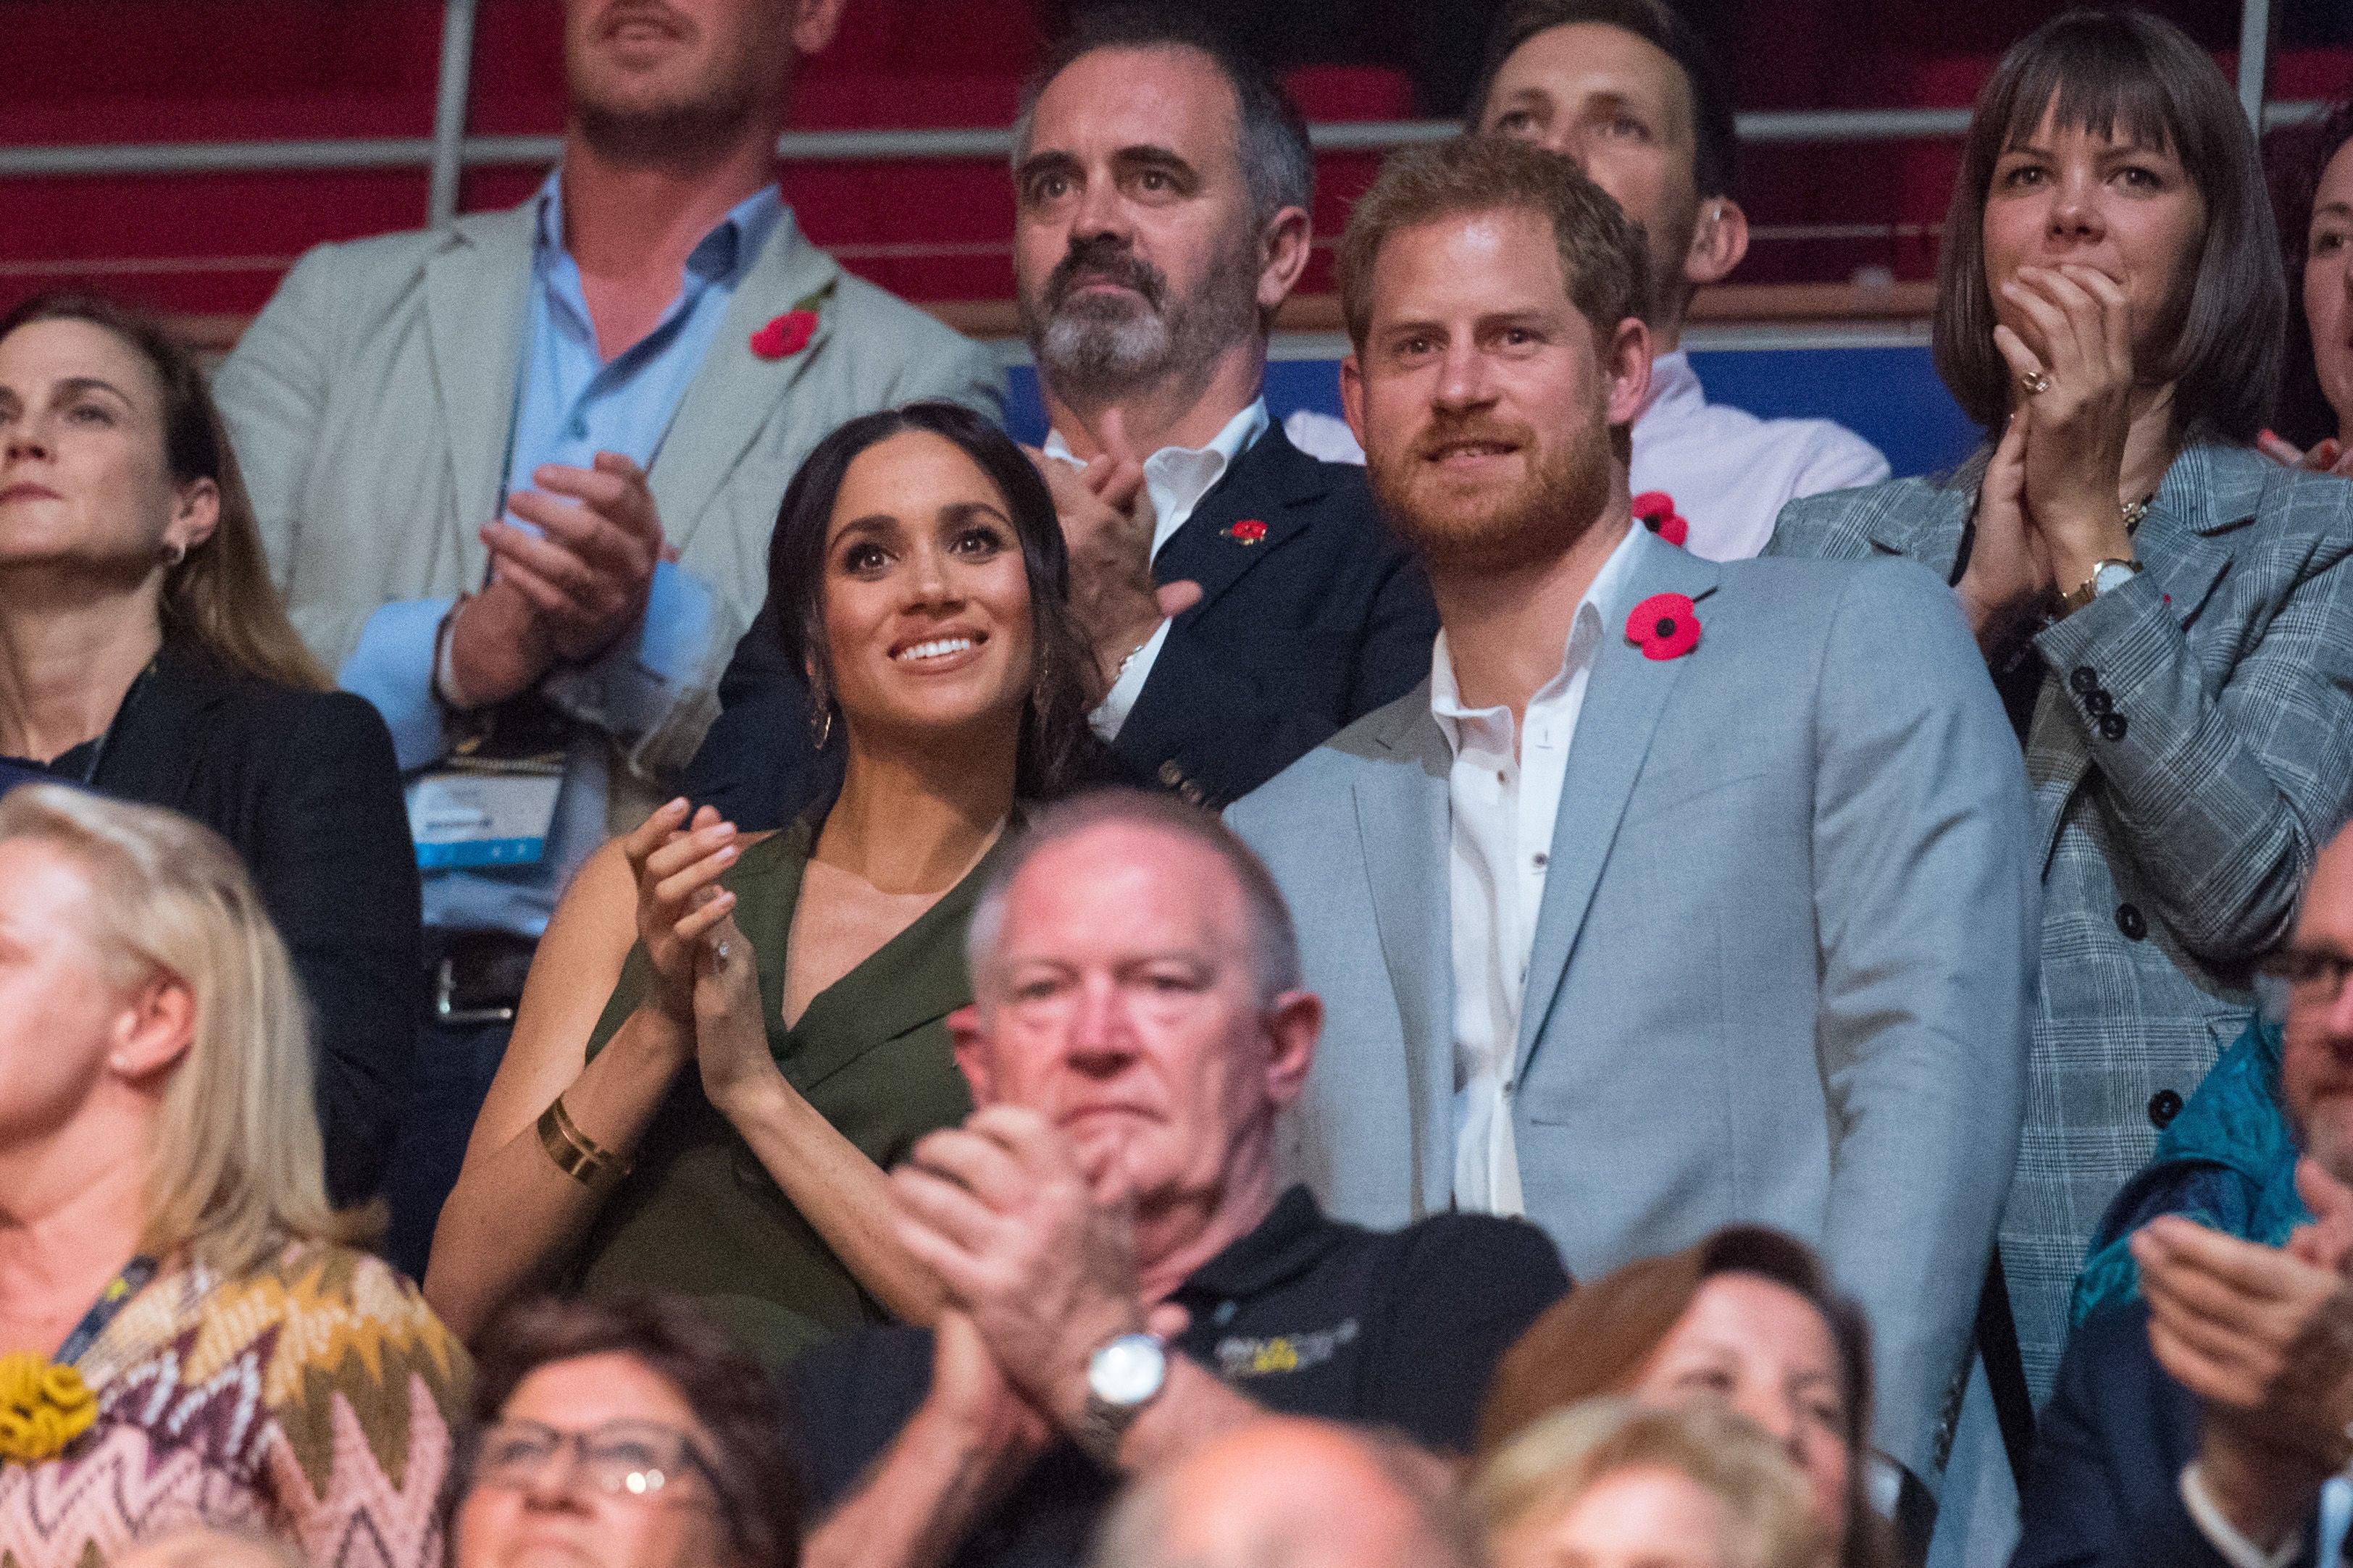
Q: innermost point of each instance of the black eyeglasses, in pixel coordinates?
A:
(2316, 974)
(625, 1458)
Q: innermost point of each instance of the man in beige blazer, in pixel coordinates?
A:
(517, 475)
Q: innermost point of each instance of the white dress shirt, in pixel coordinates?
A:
(1175, 479)
(2235, 1548)
(1729, 472)
(1505, 797)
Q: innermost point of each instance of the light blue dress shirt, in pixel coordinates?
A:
(571, 404)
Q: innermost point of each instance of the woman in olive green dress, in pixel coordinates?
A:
(921, 579)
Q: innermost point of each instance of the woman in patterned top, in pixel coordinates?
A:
(219, 1356)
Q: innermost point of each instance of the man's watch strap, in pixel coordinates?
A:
(1124, 1375)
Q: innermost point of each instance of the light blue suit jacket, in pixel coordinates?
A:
(1780, 972)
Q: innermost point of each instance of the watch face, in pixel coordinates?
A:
(1128, 1370)
(2114, 574)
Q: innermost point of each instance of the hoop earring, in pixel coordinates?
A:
(821, 723)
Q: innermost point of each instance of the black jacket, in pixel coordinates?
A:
(1318, 620)
(2105, 1485)
(304, 787)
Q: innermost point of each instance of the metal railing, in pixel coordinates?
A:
(449, 151)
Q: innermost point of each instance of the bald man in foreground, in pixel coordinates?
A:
(1286, 1492)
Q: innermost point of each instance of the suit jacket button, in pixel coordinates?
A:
(2111, 726)
(2129, 921)
(2084, 679)
(1171, 775)
(2163, 1107)
(2098, 703)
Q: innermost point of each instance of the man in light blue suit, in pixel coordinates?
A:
(1684, 894)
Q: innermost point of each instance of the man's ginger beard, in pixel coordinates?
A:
(1567, 484)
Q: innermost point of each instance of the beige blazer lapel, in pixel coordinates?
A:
(477, 304)
(736, 392)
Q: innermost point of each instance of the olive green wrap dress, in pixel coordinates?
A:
(698, 1214)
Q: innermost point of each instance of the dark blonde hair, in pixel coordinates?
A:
(2104, 72)
(1603, 259)
(219, 599)
(1556, 1461)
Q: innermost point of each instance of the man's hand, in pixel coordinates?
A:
(971, 1396)
(588, 572)
(499, 647)
(1107, 522)
(2264, 1339)
(1001, 1211)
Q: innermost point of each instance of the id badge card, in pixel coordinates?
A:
(484, 814)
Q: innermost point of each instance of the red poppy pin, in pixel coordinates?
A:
(789, 334)
(1250, 531)
(1664, 625)
(1656, 509)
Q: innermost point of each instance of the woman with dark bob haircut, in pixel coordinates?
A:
(2314, 197)
(2166, 613)
(633, 1426)
(808, 975)
(1747, 1319)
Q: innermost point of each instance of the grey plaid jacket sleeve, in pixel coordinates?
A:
(2190, 750)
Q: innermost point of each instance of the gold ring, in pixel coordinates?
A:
(2035, 382)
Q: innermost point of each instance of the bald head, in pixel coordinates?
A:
(1291, 1493)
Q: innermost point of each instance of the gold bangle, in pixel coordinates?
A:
(575, 1153)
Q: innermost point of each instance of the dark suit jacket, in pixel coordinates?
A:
(2104, 1485)
(304, 787)
(1321, 621)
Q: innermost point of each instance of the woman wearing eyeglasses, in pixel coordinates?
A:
(626, 1432)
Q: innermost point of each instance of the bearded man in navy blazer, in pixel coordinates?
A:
(1243, 599)
(1681, 893)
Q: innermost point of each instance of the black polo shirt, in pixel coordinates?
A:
(1306, 1315)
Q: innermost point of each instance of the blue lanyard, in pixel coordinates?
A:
(128, 1282)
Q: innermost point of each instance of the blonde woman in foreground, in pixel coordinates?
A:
(1611, 1484)
(186, 1338)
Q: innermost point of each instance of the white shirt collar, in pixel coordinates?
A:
(1675, 387)
(1176, 478)
(1600, 604)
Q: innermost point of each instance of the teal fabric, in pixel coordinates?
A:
(2228, 1162)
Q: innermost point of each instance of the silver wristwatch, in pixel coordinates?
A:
(2106, 576)
(1124, 1376)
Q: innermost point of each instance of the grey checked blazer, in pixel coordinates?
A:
(1780, 969)
(2191, 750)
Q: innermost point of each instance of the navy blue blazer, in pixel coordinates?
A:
(2105, 1485)
(1320, 621)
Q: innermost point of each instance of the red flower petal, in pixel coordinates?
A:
(1664, 625)
(1250, 531)
(1674, 529)
(786, 336)
(1652, 505)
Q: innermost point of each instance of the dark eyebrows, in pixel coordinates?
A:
(2341, 209)
(1039, 165)
(74, 385)
(1147, 156)
(874, 524)
(964, 511)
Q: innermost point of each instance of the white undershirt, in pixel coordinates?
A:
(1505, 800)
(1175, 479)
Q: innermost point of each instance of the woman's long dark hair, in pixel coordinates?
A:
(1056, 748)
(2130, 73)
(2304, 416)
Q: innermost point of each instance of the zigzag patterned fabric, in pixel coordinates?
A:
(313, 1400)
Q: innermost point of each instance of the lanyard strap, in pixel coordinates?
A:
(128, 1282)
